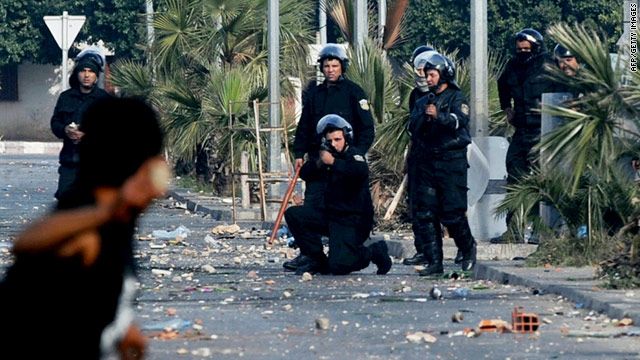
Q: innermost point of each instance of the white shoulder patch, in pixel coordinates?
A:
(358, 158)
(465, 109)
(364, 104)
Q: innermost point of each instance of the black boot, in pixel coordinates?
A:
(464, 241)
(417, 259)
(433, 254)
(294, 264)
(469, 258)
(314, 266)
(458, 258)
(380, 257)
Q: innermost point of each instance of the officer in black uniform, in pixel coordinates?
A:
(439, 134)
(67, 116)
(566, 60)
(418, 60)
(335, 95)
(523, 82)
(347, 214)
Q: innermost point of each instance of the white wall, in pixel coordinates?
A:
(38, 90)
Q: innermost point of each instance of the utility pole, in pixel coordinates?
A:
(360, 29)
(273, 10)
(382, 18)
(149, 10)
(322, 21)
(479, 70)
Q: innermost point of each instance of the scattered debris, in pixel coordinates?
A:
(457, 317)
(493, 325)
(180, 232)
(625, 322)
(225, 229)
(359, 296)
(201, 352)
(322, 323)
(307, 277)
(161, 272)
(176, 324)
(420, 336)
(208, 269)
(435, 293)
(523, 322)
(460, 292)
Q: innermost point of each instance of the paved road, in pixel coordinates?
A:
(249, 308)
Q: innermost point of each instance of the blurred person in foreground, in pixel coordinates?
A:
(69, 293)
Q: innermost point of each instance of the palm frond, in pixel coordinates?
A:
(132, 78)
(394, 23)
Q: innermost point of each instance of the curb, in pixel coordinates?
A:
(398, 247)
(576, 284)
(29, 147)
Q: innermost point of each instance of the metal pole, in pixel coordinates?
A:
(361, 24)
(274, 91)
(149, 4)
(479, 70)
(322, 21)
(382, 18)
(65, 50)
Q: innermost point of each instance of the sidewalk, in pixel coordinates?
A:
(576, 284)
(30, 147)
(495, 262)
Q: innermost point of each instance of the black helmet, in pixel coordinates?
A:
(90, 58)
(561, 52)
(532, 36)
(335, 122)
(91, 54)
(334, 51)
(419, 50)
(421, 59)
(444, 66)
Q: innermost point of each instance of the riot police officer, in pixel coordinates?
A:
(67, 115)
(347, 214)
(439, 133)
(418, 60)
(523, 82)
(565, 60)
(335, 95)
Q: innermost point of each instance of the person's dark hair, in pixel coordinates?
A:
(119, 136)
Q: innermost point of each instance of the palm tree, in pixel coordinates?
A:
(207, 53)
(595, 120)
(586, 151)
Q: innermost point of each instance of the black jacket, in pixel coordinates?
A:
(71, 105)
(347, 183)
(446, 133)
(414, 96)
(346, 99)
(525, 84)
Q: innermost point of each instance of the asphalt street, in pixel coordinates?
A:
(227, 297)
